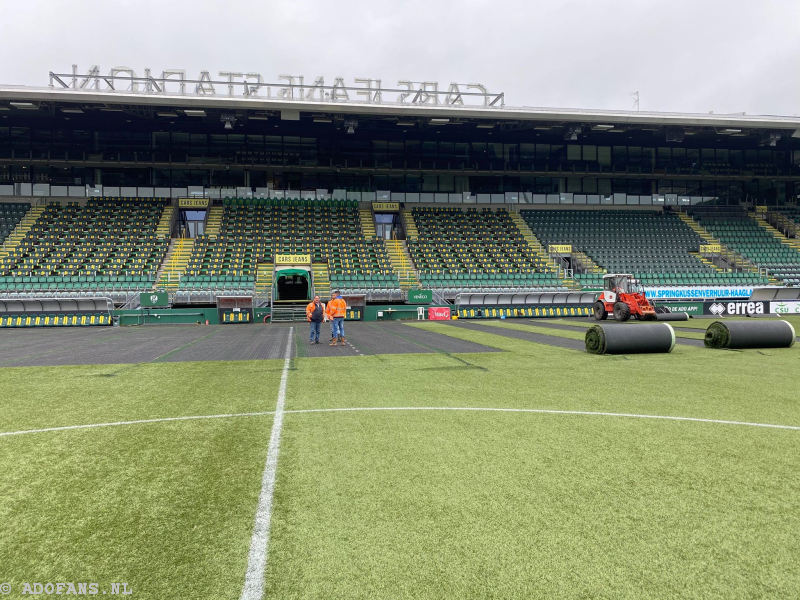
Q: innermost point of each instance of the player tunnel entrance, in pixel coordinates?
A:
(293, 283)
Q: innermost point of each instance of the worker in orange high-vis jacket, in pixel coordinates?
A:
(315, 314)
(337, 309)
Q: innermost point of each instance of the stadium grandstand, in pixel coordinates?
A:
(114, 193)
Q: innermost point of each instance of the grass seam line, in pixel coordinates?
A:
(408, 408)
(160, 357)
(549, 412)
(134, 422)
(253, 588)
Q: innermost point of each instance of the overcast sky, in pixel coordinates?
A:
(681, 55)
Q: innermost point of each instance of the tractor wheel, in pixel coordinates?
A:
(622, 312)
(600, 313)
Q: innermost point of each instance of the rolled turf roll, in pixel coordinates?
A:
(630, 339)
(750, 334)
(677, 316)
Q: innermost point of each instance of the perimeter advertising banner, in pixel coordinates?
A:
(690, 293)
(153, 299)
(690, 308)
(736, 308)
(439, 313)
(420, 296)
(785, 308)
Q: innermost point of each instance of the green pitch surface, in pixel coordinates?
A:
(429, 501)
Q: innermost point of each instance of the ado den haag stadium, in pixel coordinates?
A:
(567, 368)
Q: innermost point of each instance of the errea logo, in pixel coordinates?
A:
(736, 308)
(745, 308)
(716, 309)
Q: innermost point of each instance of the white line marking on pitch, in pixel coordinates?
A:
(137, 422)
(548, 412)
(259, 544)
(409, 408)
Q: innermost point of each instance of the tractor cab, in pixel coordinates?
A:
(624, 297)
(620, 284)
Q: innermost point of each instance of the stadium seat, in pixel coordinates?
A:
(655, 246)
(104, 244)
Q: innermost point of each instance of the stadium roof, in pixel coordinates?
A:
(31, 98)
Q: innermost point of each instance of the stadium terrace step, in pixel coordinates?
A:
(174, 266)
(214, 221)
(747, 245)
(367, 219)
(21, 230)
(402, 264)
(708, 262)
(787, 221)
(164, 227)
(322, 281)
(734, 259)
(766, 226)
(11, 213)
(697, 228)
(587, 264)
(536, 245)
(410, 227)
(264, 273)
(540, 251)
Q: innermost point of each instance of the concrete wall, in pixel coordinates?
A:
(168, 316)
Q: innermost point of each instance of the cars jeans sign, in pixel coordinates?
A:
(192, 202)
(363, 90)
(292, 259)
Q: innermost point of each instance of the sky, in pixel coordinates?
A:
(726, 56)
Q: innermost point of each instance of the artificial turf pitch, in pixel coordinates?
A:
(412, 503)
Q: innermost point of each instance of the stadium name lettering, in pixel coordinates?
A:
(363, 90)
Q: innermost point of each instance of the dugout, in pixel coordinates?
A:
(527, 305)
(775, 294)
(45, 312)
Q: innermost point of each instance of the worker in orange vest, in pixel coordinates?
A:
(315, 314)
(337, 309)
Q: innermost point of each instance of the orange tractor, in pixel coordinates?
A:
(623, 297)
